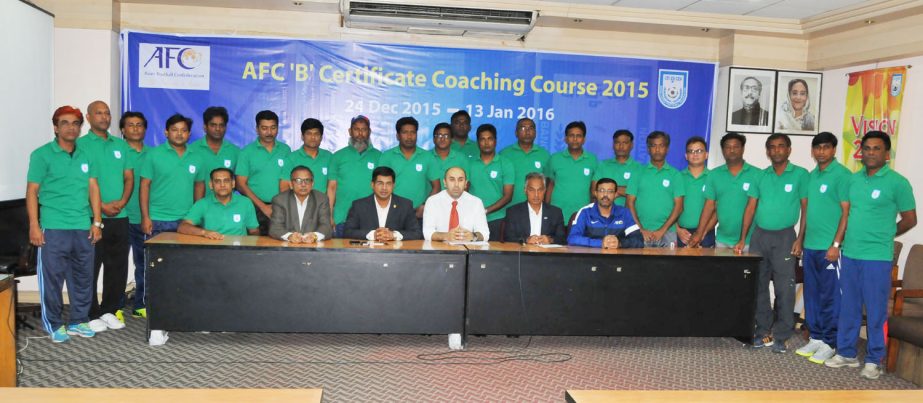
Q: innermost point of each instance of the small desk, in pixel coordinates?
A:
(529, 290)
(258, 284)
(742, 396)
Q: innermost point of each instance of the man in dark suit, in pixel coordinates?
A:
(533, 221)
(383, 216)
(302, 214)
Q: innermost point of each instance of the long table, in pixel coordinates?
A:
(258, 284)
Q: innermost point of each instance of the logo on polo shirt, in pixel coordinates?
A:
(85, 167)
(586, 171)
(626, 175)
(703, 188)
(823, 188)
(324, 170)
(227, 163)
(666, 183)
(419, 167)
(493, 174)
(746, 186)
(236, 217)
(538, 164)
(281, 162)
(788, 187)
(619, 222)
(876, 193)
(371, 165)
(118, 154)
(192, 169)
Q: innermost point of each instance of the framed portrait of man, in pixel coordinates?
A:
(751, 96)
(797, 103)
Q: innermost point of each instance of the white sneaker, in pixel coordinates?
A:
(822, 354)
(111, 321)
(810, 348)
(838, 361)
(158, 338)
(870, 371)
(97, 325)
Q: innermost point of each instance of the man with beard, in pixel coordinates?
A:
(454, 214)
(604, 224)
(751, 114)
(415, 168)
(350, 168)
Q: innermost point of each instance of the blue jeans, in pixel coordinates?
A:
(66, 256)
(136, 240)
(821, 295)
(158, 227)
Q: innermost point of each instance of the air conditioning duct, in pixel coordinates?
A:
(437, 20)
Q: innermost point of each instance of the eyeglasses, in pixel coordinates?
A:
(302, 181)
(694, 152)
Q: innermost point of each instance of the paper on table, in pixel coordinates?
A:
(469, 243)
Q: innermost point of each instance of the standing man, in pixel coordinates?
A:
(694, 177)
(726, 191)
(350, 167)
(777, 199)
(534, 222)
(526, 158)
(571, 172)
(655, 197)
(62, 188)
(826, 221)
(310, 155)
(260, 166)
(302, 214)
(750, 113)
(623, 168)
(214, 151)
(414, 167)
(383, 216)
(168, 177)
(134, 127)
(445, 154)
(491, 179)
(222, 213)
(454, 214)
(875, 196)
(604, 224)
(110, 155)
(461, 126)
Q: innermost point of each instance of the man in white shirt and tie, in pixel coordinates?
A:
(302, 214)
(454, 214)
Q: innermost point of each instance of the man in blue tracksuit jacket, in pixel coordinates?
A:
(604, 224)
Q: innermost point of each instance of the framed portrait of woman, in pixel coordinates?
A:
(797, 103)
(751, 95)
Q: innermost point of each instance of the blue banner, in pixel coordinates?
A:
(334, 81)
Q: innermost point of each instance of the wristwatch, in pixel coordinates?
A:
(836, 244)
(98, 224)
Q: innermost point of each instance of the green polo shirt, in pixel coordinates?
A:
(694, 200)
(319, 166)
(779, 197)
(111, 158)
(622, 173)
(235, 218)
(64, 186)
(225, 158)
(826, 190)
(263, 168)
(135, 160)
(524, 163)
(353, 173)
(874, 202)
(412, 174)
(172, 179)
(729, 192)
(572, 179)
(469, 150)
(487, 181)
(655, 190)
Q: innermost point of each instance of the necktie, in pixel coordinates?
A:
(453, 217)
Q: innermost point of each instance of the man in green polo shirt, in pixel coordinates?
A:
(655, 197)
(62, 196)
(875, 196)
(571, 173)
(309, 155)
(526, 158)
(223, 213)
(414, 166)
(445, 155)
(461, 126)
(260, 165)
(777, 200)
(491, 179)
(110, 155)
(134, 128)
(214, 151)
(350, 169)
(622, 168)
(694, 177)
(726, 191)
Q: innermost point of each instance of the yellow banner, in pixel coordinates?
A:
(873, 102)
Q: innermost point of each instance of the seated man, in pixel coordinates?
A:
(604, 224)
(382, 216)
(533, 221)
(221, 213)
(301, 214)
(454, 214)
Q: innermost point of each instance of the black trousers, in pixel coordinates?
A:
(263, 220)
(111, 252)
(494, 227)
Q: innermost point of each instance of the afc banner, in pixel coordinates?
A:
(334, 81)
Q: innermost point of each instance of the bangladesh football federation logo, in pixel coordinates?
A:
(673, 88)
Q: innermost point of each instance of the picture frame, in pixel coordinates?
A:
(797, 109)
(749, 89)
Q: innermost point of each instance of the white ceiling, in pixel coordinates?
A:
(795, 9)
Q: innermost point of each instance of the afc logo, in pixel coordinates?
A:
(173, 66)
(184, 57)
